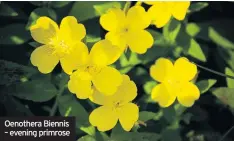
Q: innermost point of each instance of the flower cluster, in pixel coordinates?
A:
(92, 77)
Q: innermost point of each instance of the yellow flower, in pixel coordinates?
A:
(94, 70)
(128, 29)
(174, 82)
(116, 107)
(59, 44)
(161, 12)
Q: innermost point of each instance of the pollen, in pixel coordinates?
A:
(60, 47)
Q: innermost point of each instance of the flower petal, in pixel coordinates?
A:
(188, 94)
(163, 94)
(101, 99)
(161, 70)
(44, 30)
(107, 80)
(160, 13)
(179, 9)
(127, 91)
(128, 115)
(80, 85)
(150, 2)
(103, 53)
(117, 39)
(137, 18)
(104, 118)
(113, 20)
(139, 41)
(43, 58)
(184, 70)
(77, 57)
(71, 30)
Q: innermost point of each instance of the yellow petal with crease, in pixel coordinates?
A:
(139, 41)
(43, 58)
(107, 80)
(128, 115)
(80, 85)
(162, 69)
(71, 30)
(103, 53)
(163, 94)
(137, 18)
(77, 57)
(180, 9)
(104, 118)
(44, 30)
(184, 70)
(113, 20)
(188, 94)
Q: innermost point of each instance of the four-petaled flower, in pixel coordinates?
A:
(161, 12)
(60, 44)
(116, 107)
(128, 29)
(174, 82)
(94, 70)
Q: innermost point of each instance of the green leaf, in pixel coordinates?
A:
(103, 8)
(169, 114)
(198, 114)
(187, 117)
(225, 95)
(139, 75)
(196, 51)
(145, 116)
(193, 29)
(6, 10)
(148, 86)
(127, 61)
(218, 31)
(227, 55)
(118, 134)
(171, 30)
(61, 80)
(59, 4)
(39, 12)
(190, 45)
(13, 106)
(230, 82)
(34, 44)
(198, 6)
(69, 102)
(39, 3)
(161, 46)
(205, 85)
(84, 10)
(35, 90)
(93, 32)
(87, 138)
(12, 72)
(219, 39)
(171, 135)
(14, 34)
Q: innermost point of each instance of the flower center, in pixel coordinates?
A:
(60, 47)
(117, 105)
(176, 85)
(92, 70)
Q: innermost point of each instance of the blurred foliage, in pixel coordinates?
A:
(205, 37)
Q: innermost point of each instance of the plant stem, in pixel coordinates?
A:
(55, 106)
(213, 71)
(127, 6)
(226, 133)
